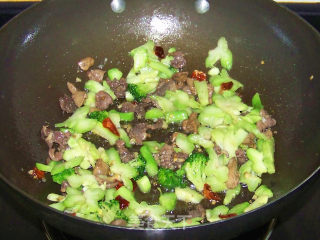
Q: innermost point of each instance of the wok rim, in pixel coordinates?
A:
(222, 221)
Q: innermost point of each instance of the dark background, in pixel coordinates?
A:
(300, 221)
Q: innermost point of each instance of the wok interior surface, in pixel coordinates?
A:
(40, 50)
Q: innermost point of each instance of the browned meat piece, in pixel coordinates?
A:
(268, 133)
(165, 85)
(179, 61)
(266, 122)
(165, 156)
(250, 140)
(101, 168)
(241, 156)
(217, 149)
(128, 107)
(173, 137)
(61, 138)
(211, 91)
(191, 125)
(168, 158)
(64, 186)
(103, 100)
(233, 174)
(55, 155)
(86, 63)
(199, 211)
(156, 125)
(180, 78)
(190, 84)
(125, 154)
(57, 137)
(179, 159)
(110, 182)
(119, 222)
(138, 133)
(77, 96)
(67, 104)
(119, 87)
(96, 75)
(72, 89)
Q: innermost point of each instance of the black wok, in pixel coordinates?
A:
(40, 49)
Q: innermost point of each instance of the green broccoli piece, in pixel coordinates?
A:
(136, 92)
(195, 169)
(60, 177)
(140, 164)
(111, 211)
(168, 178)
(98, 115)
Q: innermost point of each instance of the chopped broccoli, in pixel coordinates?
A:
(140, 164)
(111, 211)
(98, 115)
(60, 177)
(168, 178)
(195, 169)
(136, 92)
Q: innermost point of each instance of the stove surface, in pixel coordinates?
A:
(301, 222)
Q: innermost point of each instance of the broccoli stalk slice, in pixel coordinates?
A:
(256, 102)
(257, 161)
(176, 116)
(222, 53)
(213, 214)
(202, 92)
(188, 195)
(114, 74)
(144, 184)
(231, 194)
(267, 148)
(154, 113)
(184, 143)
(151, 164)
(260, 201)
(168, 201)
(263, 190)
(239, 208)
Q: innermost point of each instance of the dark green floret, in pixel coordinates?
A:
(60, 177)
(140, 164)
(168, 178)
(136, 92)
(98, 115)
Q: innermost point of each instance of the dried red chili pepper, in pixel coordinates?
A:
(107, 123)
(38, 173)
(227, 215)
(159, 52)
(119, 185)
(226, 86)
(134, 183)
(208, 194)
(199, 75)
(123, 203)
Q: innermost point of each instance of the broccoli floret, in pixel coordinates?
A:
(195, 169)
(60, 177)
(140, 164)
(136, 92)
(168, 178)
(111, 211)
(98, 115)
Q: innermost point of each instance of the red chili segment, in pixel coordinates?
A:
(119, 185)
(38, 173)
(107, 123)
(123, 203)
(227, 215)
(208, 194)
(199, 75)
(159, 52)
(226, 86)
(134, 183)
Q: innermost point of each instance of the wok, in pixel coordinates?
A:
(40, 49)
